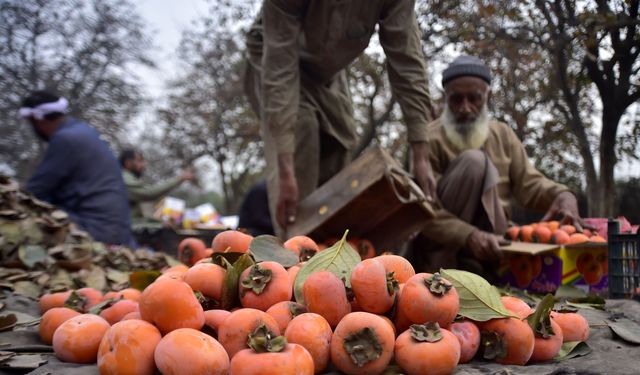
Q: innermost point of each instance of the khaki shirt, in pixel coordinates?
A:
(321, 38)
(518, 179)
(139, 192)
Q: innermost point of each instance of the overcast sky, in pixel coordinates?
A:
(166, 20)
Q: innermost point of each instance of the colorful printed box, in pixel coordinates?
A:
(543, 268)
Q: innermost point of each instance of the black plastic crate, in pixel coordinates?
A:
(624, 262)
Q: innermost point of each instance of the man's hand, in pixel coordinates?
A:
(485, 246)
(187, 174)
(566, 206)
(288, 194)
(422, 169)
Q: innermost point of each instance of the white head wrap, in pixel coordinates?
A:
(38, 112)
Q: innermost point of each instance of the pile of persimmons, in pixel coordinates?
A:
(552, 232)
(388, 314)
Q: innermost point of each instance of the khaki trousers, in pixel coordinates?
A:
(325, 130)
(468, 190)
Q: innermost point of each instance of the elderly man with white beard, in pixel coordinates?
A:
(480, 165)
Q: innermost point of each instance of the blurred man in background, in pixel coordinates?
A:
(79, 173)
(141, 194)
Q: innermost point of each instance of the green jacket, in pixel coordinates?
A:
(139, 192)
(298, 40)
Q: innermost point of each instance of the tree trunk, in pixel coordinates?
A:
(225, 188)
(606, 186)
(369, 132)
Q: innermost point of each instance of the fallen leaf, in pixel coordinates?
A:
(171, 261)
(589, 302)
(30, 255)
(7, 322)
(568, 292)
(22, 318)
(93, 278)
(626, 329)
(572, 349)
(61, 280)
(4, 356)
(24, 362)
(28, 289)
(117, 277)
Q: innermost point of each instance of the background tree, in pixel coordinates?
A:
(374, 106)
(84, 50)
(207, 115)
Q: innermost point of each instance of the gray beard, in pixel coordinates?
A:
(466, 136)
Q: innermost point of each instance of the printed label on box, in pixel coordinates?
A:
(583, 267)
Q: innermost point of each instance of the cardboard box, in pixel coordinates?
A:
(373, 197)
(170, 209)
(542, 268)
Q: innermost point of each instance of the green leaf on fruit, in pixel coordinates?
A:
(479, 300)
(339, 259)
(142, 279)
(222, 259)
(269, 248)
(229, 298)
(540, 321)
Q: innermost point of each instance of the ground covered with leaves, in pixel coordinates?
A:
(41, 251)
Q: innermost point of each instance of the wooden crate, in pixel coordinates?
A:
(373, 197)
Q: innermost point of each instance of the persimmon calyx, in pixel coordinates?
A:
(437, 285)
(492, 345)
(263, 340)
(296, 309)
(428, 332)
(363, 346)
(392, 283)
(257, 279)
(306, 254)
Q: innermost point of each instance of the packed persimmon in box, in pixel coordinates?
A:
(546, 255)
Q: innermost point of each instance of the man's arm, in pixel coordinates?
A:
(57, 164)
(281, 94)
(280, 70)
(447, 229)
(400, 39)
(138, 191)
(530, 187)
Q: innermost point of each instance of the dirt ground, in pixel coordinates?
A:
(610, 354)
